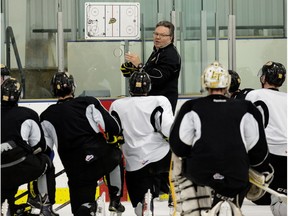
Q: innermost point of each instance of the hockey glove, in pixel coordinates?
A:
(112, 139)
(127, 69)
(265, 178)
(121, 140)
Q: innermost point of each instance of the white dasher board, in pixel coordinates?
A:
(112, 21)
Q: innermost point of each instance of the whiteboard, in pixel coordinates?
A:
(112, 21)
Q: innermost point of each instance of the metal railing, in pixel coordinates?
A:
(10, 39)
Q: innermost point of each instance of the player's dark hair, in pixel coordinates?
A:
(235, 81)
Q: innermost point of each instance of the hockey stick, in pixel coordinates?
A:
(282, 197)
(172, 180)
(26, 192)
(62, 206)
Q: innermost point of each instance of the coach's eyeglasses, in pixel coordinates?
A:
(156, 34)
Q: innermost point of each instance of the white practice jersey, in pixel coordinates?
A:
(144, 120)
(273, 106)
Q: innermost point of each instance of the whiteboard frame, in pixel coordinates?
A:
(125, 26)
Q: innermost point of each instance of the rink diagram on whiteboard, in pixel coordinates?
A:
(112, 21)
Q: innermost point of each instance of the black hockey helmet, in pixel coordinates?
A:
(10, 91)
(235, 81)
(62, 84)
(139, 83)
(5, 70)
(274, 72)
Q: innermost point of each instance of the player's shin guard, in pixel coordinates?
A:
(188, 199)
(191, 199)
(115, 181)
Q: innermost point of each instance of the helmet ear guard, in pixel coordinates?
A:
(215, 77)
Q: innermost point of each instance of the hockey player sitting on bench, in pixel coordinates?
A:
(218, 139)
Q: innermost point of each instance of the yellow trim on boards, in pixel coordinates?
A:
(62, 196)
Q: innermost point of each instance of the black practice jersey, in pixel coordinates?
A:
(163, 67)
(76, 127)
(20, 133)
(241, 94)
(218, 137)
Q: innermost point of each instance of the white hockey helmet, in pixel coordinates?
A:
(215, 76)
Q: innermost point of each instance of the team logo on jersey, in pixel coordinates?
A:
(5, 147)
(231, 199)
(9, 145)
(218, 176)
(89, 157)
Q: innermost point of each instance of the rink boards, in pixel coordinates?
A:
(62, 192)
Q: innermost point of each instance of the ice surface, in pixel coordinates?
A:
(162, 209)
